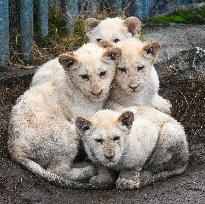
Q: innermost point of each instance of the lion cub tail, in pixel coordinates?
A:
(54, 178)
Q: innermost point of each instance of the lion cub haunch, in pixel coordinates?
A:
(143, 144)
(136, 81)
(42, 136)
(112, 29)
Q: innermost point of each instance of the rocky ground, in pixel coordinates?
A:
(183, 83)
(175, 38)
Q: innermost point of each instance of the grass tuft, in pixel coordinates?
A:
(191, 16)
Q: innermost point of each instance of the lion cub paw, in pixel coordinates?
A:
(128, 184)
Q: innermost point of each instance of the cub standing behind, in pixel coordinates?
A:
(42, 134)
(112, 29)
(143, 144)
(136, 81)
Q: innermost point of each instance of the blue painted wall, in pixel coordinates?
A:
(43, 16)
(4, 33)
(141, 8)
(26, 29)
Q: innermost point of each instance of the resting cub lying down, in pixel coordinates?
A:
(143, 144)
(136, 81)
(42, 134)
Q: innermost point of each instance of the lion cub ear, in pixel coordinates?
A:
(112, 54)
(150, 49)
(126, 119)
(82, 124)
(133, 25)
(90, 24)
(67, 60)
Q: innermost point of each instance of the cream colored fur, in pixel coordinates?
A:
(112, 29)
(136, 81)
(143, 144)
(42, 135)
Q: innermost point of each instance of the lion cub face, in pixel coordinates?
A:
(135, 64)
(112, 29)
(104, 135)
(91, 69)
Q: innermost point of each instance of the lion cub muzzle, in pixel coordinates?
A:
(109, 153)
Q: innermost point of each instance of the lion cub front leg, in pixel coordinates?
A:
(161, 104)
(104, 177)
(128, 179)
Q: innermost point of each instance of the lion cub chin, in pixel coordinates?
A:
(136, 81)
(112, 29)
(143, 144)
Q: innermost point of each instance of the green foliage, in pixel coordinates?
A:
(79, 27)
(181, 16)
(57, 24)
(142, 37)
(58, 36)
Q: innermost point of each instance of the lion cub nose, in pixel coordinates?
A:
(110, 156)
(97, 93)
(133, 87)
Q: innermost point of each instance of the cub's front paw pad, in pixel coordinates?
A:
(100, 181)
(122, 183)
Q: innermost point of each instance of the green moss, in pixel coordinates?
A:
(79, 27)
(57, 24)
(142, 37)
(182, 16)
(58, 37)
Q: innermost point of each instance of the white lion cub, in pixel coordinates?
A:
(42, 135)
(112, 29)
(136, 81)
(143, 144)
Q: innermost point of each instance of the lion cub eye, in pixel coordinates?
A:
(98, 40)
(116, 138)
(99, 141)
(122, 69)
(102, 74)
(85, 77)
(116, 40)
(140, 67)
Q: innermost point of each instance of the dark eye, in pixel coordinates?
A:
(85, 77)
(122, 69)
(102, 74)
(99, 141)
(116, 138)
(98, 40)
(116, 40)
(140, 68)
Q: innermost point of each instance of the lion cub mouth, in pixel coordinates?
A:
(96, 95)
